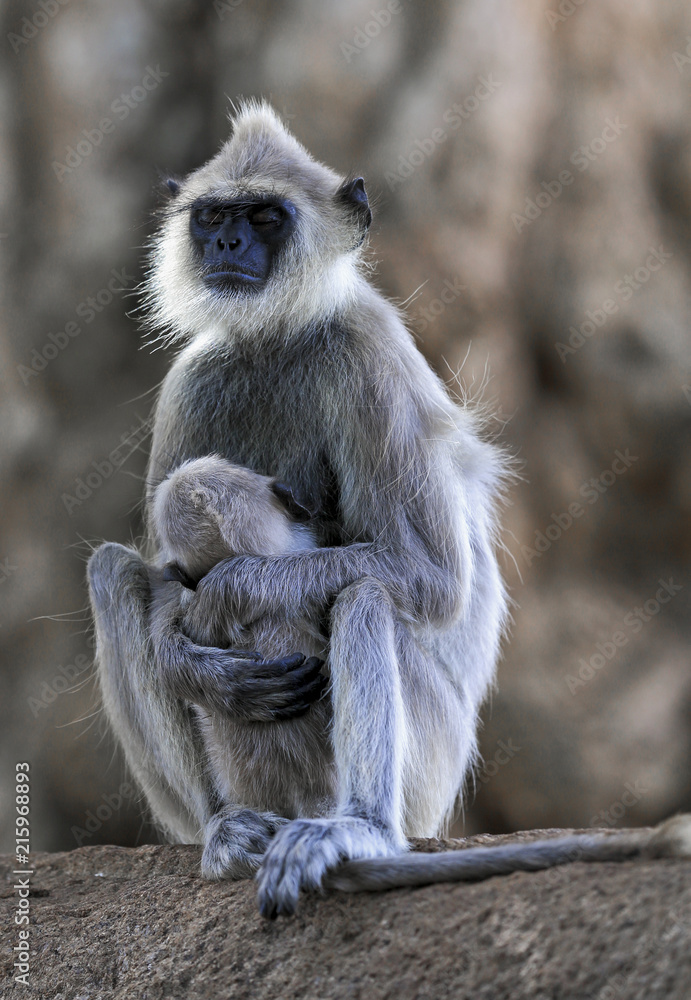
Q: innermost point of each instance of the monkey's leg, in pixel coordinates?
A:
(369, 743)
(157, 732)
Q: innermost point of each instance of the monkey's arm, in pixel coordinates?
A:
(247, 587)
(408, 497)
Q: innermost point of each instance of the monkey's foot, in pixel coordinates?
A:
(302, 853)
(235, 841)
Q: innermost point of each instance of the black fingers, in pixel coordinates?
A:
(305, 695)
(285, 664)
(276, 690)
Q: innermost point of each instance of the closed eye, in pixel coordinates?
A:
(210, 216)
(269, 215)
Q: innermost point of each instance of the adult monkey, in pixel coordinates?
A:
(296, 368)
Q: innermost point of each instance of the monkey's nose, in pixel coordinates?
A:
(231, 244)
(231, 241)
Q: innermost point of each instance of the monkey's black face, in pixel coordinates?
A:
(238, 240)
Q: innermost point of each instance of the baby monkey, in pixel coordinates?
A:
(207, 510)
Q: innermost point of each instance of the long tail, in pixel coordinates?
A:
(671, 839)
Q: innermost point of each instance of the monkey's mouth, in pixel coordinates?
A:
(225, 277)
(173, 571)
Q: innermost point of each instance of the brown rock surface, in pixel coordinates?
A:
(111, 922)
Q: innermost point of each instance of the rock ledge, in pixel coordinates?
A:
(109, 922)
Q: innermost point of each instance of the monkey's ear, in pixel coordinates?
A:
(297, 509)
(353, 194)
(175, 572)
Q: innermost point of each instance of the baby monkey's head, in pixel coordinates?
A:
(209, 509)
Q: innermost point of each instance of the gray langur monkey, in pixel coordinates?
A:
(294, 367)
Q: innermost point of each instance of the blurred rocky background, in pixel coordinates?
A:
(530, 168)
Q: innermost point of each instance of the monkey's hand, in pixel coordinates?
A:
(245, 686)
